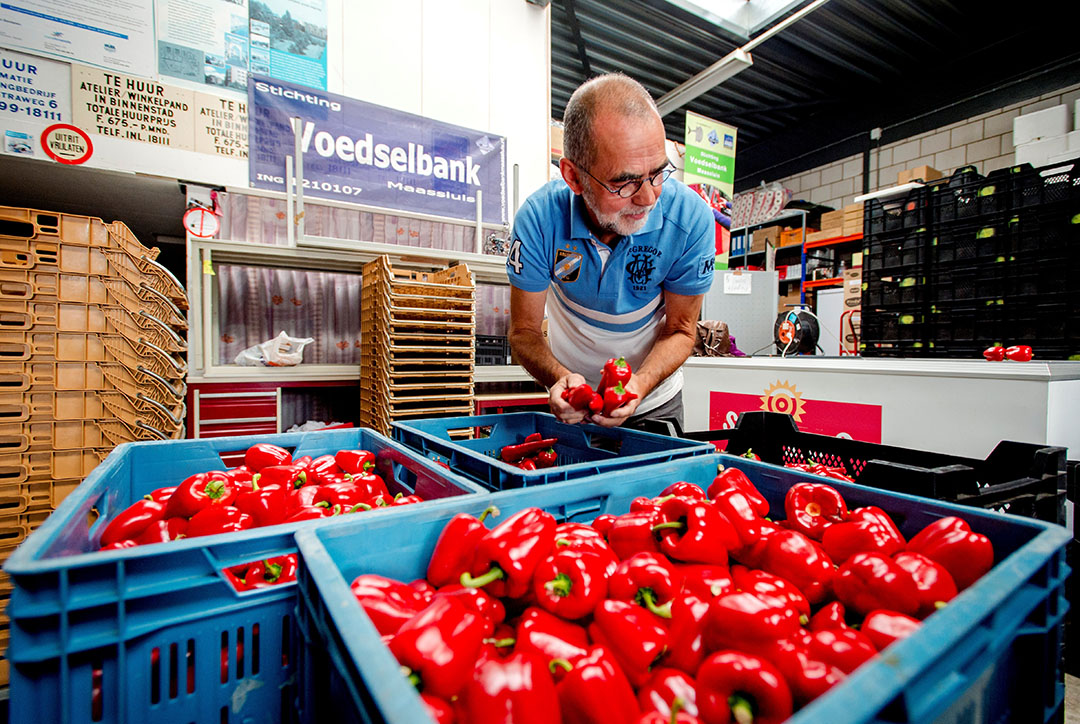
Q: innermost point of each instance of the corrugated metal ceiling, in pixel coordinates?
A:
(816, 89)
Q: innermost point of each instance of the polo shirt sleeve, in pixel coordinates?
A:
(528, 266)
(692, 273)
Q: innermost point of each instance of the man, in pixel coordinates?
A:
(625, 252)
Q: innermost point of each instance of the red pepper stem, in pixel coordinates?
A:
(490, 510)
(560, 585)
(938, 605)
(670, 524)
(413, 678)
(399, 496)
(255, 482)
(803, 619)
(677, 705)
(301, 478)
(741, 709)
(215, 489)
(495, 574)
(359, 506)
(271, 572)
(148, 497)
(647, 599)
(560, 664)
(564, 542)
(501, 643)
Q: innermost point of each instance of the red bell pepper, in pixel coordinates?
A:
(634, 636)
(527, 464)
(475, 599)
(585, 538)
(615, 371)
(548, 636)
(507, 555)
(768, 587)
(161, 495)
(795, 558)
(286, 476)
(602, 524)
(571, 583)
(950, 541)
(307, 496)
(440, 710)
(871, 580)
(456, 547)
(266, 506)
(120, 545)
(615, 397)
(813, 507)
(935, 584)
(439, 645)
(704, 581)
(546, 458)
(643, 502)
(664, 688)
(400, 500)
(347, 495)
(734, 478)
(1019, 353)
(355, 462)
(846, 649)
(807, 677)
(163, 531)
(518, 689)
(733, 686)
(883, 627)
(218, 519)
(583, 397)
(498, 645)
(994, 354)
(323, 469)
(516, 453)
(312, 512)
(737, 508)
(198, 492)
(646, 579)
(388, 603)
(632, 533)
(742, 619)
(424, 588)
(132, 521)
(695, 531)
(686, 633)
(271, 572)
(866, 530)
(753, 553)
(261, 455)
(594, 690)
(677, 716)
(684, 490)
(830, 617)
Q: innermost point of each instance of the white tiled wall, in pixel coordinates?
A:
(984, 141)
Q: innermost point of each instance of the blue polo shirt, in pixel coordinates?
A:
(610, 301)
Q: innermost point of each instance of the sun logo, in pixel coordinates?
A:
(783, 397)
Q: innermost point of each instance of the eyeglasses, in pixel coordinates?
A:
(630, 188)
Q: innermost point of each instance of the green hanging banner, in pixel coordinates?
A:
(710, 170)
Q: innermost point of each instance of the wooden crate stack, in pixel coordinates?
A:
(93, 356)
(417, 343)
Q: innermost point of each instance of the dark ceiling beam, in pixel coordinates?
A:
(575, 30)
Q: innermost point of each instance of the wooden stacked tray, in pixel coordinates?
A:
(417, 334)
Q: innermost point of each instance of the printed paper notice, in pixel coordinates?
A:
(115, 34)
(34, 93)
(134, 109)
(221, 126)
(736, 283)
(204, 41)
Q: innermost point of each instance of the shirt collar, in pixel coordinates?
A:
(579, 228)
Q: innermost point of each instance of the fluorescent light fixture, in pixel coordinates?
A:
(739, 17)
(734, 62)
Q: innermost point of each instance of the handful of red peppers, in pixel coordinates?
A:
(693, 606)
(534, 453)
(267, 489)
(609, 396)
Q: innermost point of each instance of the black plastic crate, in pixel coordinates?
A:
(897, 324)
(882, 290)
(492, 350)
(1027, 479)
(1045, 185)
(896, 350)
(977, 284)
(896, 213)
(955, 198)
(1041, 325)
(1046, 232)
(957, 326)
(985, 240)
(903, 252)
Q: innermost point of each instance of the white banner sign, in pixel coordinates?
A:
(35, 93)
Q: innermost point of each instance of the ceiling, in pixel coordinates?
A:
(817, 88)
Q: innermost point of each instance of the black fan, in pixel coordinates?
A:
(795, 332)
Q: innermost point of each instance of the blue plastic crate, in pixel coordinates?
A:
(75, 609)
(583, 450)
(992, 655)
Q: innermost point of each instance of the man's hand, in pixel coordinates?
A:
(623, 413)
(560, 408)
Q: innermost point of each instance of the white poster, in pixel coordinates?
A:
(35, 93)
(117, 34)
(204, 41)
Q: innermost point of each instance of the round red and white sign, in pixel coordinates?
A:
(65, 143)
(201, 222)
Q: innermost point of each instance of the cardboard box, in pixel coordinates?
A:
(832, 219)
(769, 235)
(924, 173)
(829, 233)
(1040, 125)
(852, 288)
(1072, 142)
(793, 237)
(791, 297)
(849, 333)
(1039, 153)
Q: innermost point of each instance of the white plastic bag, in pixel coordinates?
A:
(281, 351)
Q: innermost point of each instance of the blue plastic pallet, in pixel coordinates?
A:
(75, 610)
(992, 655)
(583, 450)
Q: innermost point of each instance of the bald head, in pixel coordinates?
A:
(614, 94)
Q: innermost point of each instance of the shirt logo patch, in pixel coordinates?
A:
(708, 264)
(640, 269)
(567, 265)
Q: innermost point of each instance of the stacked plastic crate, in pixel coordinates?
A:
(417, 343)
(91, 355)
(971, 261)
